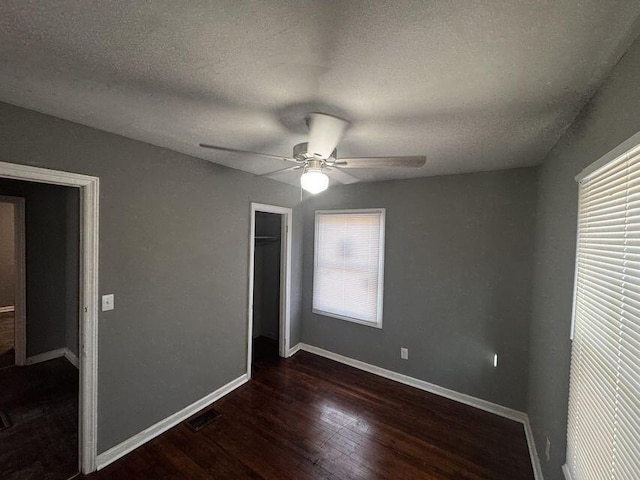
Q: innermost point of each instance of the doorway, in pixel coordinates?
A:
(266, 285)
(269, 282)
(39, 397)
(87, 189)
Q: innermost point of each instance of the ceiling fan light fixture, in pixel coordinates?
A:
(313, 180)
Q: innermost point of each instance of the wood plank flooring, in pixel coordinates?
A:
(41, 402)
(311, 418)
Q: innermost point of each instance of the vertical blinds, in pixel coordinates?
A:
(348, 267)
(603, 435)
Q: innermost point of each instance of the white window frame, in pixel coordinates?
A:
(380, 303)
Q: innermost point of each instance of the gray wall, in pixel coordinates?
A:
(51, 279)
(266, 287)
(174, 233)
(458, 257)
(612, 116)
(7, 255)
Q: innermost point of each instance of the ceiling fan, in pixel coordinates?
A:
(319, 155)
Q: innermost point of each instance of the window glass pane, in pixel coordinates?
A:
(348, 264)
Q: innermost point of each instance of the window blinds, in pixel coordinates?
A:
(603, 435)
(348, 267)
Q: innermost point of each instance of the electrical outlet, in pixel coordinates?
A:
(547, 449)
(404, 353)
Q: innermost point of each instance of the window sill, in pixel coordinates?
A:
(349, 319)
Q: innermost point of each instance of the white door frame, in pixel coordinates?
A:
(20, 288)
(89, 196)
(285, 277)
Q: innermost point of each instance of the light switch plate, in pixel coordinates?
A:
(107, 302)
(404, 353)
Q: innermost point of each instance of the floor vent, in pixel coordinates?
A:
(4, 421)
(198, 422)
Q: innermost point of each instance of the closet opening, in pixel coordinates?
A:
(269, 283)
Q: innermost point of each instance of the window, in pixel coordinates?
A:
(349, 264)
(603, 431)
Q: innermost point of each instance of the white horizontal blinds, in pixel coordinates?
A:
(604, 402)
(347, 270)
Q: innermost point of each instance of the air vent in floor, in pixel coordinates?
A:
(198, 422)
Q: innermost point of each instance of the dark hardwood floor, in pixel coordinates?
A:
(41, 402)
(311, 418)
(264, 349)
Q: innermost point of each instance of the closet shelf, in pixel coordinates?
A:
(262, 239)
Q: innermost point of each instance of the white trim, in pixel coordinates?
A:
(366, 323)
(7, 309)
(18, 171)
(89, 239)
(51, 354)
(285, 277)
(575, 273)
(252, 251)
(89, 263)
(566, 472)
(20, 287)
(73, 359)
(380, 300)
(171, 421)
(292, 351)
(490, 407)
(285, 281)
(533, 452)
(629, 147)
(420, 384)
(46, 356)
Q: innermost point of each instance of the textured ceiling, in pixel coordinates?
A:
(471, 85)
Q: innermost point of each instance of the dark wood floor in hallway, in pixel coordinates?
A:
(311, 418)
(40, 403)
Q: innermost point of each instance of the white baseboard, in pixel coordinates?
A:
(533, 452)
(162, 426)
(57, 353)
(7, 309)
(51, 354)
(73, 359)
(421, 384)
(485, 405)
(292, 351)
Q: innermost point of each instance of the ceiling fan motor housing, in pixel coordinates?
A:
(301, 153)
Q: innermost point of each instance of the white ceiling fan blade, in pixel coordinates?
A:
(382, 162)
(339, 176)
(246, 152)
(325, 131)
(282, 170)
